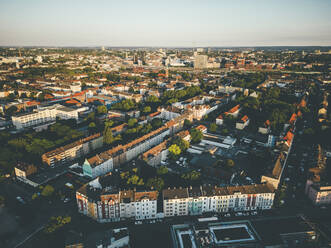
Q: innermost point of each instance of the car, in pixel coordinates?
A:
(20, 199)
(239, 214)
(227, 215)
(66, 200)
(254, 213)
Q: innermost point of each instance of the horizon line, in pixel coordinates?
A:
(105, 46)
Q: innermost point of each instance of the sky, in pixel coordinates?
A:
(165, 23)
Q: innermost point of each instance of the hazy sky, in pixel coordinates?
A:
(165, 22)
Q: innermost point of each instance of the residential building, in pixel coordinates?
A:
(220, 120)
(110, 204)
(265, 128)
(70, 152)
(46, 114)
(23, 170)
(156, 154)
(234, 111)
(244, 121)
(106, 161)
(198, 200)
(318, 193)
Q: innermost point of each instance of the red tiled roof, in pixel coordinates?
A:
(48, 96)
(154, 114)
(293, 118)
(31, 103)
(288, 138)
(201, 127)
(245, 118)
(233, 110)
(267, 123)
(72, 101)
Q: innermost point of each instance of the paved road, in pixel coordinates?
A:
(33, 216)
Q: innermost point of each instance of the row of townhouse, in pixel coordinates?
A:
(46, 114)
(105, 162)
(199, 200)
(72, 151)
(274, 177)
(111, 205)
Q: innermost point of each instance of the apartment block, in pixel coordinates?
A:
(105, 162)
(198, 200)
(22, 170)
(318, 193)
(110, 204)
(45, 114)
(72, 151)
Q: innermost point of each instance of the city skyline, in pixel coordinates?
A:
(154, 24)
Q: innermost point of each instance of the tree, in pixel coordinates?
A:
(212, 127)
(11, 110)
(147, 109)
(92, 125)
(162, 170)
(108, 123)
(183, 144)
(47, 191)
(156, 183)
(224, 131)
(56, 223)
(34, 196)
(135, 180)
(132, 122)
(152, 99)
(230, 163)
(102, 109)
(156, 123)
(90, 117)
(11, 96)
(174, 151)
(124, 105)
(187, 123)
(193, 175)
(2, 200)
(196, 135)
(108, 136)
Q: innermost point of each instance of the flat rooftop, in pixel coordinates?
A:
(220, 234)
(266, 231)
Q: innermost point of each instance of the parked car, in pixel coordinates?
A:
(20, 199)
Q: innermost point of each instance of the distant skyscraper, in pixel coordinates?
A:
(102, 48)
(201, 62)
